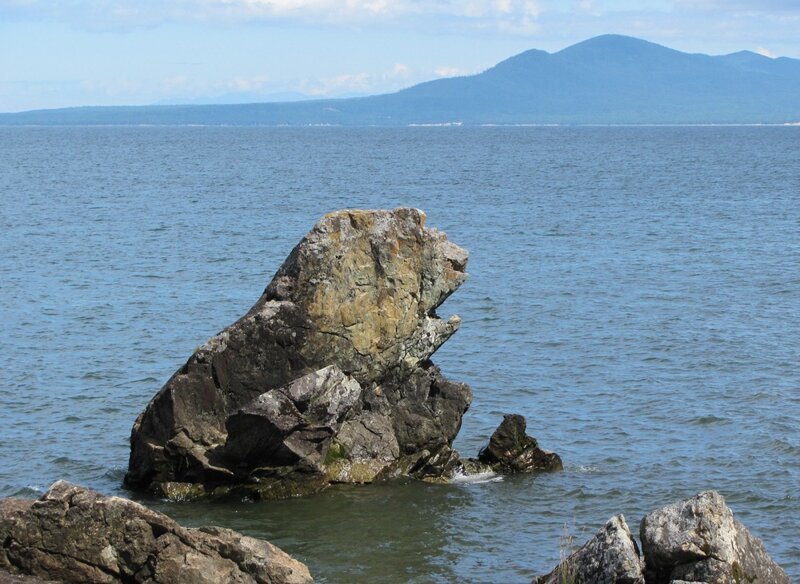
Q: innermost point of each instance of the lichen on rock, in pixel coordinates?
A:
(327, 378)
(72, 534)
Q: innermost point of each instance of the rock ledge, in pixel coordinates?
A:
(73, 534)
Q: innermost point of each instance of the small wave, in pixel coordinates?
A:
(783, 446)
(708, 420)
(29, 492)
(116, 474)
(477, 478)
(133, 381)
(585, 468)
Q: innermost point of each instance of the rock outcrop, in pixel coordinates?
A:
(696, 540)
(511, 450)
(72, 534)
(611, 556)
(326, 379)
(699, 540)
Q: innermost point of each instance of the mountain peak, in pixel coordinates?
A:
(747, 57)
(614, 44)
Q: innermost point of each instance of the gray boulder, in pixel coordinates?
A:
(72, 534)
(327, 378)
(696, 540)
(511, 450)
(610, 557)
(699, 540)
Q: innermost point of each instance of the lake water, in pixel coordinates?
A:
(634, 292)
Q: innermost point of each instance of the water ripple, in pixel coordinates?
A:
(631, 293)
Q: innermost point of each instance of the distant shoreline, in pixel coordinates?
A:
(409, 126)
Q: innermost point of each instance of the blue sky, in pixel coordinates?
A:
(116, 52)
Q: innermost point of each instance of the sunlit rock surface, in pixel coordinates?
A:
(611, 556)
(699, 540)
(72, 534)
(696, 540)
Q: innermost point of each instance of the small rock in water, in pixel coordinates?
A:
(511, 450)
(72, 534)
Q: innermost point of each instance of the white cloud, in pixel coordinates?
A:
(398, 77)
(134, 13)
(448, 71)
(337, 84)
(729, 6)
(252, 83)
(121, 87)
(531, 9)
(766, 52)
(176, 82)
(503, 6)
(401, 70)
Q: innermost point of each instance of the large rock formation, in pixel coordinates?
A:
(696, 540)
(326, 379)
(72, 534)
(699, 540)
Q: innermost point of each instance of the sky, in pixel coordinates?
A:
(64, 53)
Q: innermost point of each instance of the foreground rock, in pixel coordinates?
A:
(326, 379)
(8, 578)
(696, 540)
(611, 556)
(511, 450)
(72, 534)
(699, 540)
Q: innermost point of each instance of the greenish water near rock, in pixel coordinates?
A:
(634, 293)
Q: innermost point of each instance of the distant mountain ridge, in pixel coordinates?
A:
(610, 79)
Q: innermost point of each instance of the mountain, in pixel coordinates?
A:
(609, 79)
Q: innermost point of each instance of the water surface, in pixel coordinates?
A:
(634, 292)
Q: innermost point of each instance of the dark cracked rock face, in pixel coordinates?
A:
(72, 534)
(511, 450)
(327, 378)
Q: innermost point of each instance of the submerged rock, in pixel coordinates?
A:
(696, 540)
(699, 540)
(511, 450)
(326, 379)
(611, 556)
(72, 534)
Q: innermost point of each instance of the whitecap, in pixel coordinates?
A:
(476, 478)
